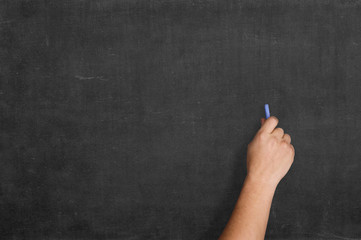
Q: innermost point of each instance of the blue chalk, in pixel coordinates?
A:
(266, 108)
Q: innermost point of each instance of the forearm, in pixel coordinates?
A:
(270, 155)
(250, 215)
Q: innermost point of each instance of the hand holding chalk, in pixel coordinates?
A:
(270, 154)
(269, 157)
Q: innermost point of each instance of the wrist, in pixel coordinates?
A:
(264, 184)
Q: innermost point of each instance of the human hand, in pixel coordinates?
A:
(270, 154)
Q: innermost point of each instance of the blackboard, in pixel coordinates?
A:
(130, 119)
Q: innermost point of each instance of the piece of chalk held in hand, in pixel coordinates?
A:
(266, 108)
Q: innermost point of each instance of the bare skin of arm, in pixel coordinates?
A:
(269, 157)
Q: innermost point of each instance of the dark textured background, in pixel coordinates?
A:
(130, 119)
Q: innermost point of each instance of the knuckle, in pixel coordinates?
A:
(273, 140)
(292, 149)
(287, 137)
(275, 119)
(285, 145)
(262, 135)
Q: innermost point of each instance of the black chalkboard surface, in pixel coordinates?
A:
(130, 119)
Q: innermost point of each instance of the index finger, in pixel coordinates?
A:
(269, 124)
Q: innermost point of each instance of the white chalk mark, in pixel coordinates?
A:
(83, 78)
(101, 78)
(5, 22)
